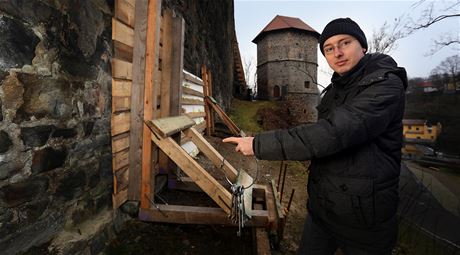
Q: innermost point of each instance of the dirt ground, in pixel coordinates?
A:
(155, 238)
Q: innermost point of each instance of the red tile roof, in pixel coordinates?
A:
(284, 22)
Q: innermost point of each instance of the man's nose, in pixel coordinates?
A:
(338, 52)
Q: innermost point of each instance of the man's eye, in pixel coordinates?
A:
(328, 49)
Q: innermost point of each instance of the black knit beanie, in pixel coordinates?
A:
(342, 26)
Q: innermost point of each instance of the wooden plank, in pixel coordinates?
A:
(211, 153)
(121, 104)
(122, 180)
(271, 207)
(197, 215)
(198, 174)
(121, 88)
(187, 101)
(119, 198)
(120, 160)
(120, 142)
(120, 123)
(177, 64)
(149, 99)
(122, 69)
(170, 125)
(122, 33)
(192, 78)
(200, 127)
(166, 63)
(262, 242)
(124, 11)
(279, 209)
(209, 116)
(122, 51)
(195, 114)
(228, 122)
(209, 85)
(137, 100)
(189, 91)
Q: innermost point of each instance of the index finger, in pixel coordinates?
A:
(231, 140)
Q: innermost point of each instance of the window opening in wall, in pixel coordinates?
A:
(307, 84)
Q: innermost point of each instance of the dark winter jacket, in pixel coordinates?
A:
(355, 152)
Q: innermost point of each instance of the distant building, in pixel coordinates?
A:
(287, 65)
(427, 86)
(420, 131)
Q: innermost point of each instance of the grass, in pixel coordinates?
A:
(244, 114)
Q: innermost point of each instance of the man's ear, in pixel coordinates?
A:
(364, 50)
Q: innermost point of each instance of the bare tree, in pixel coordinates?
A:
(431, 15)
(249, 68)
(385, 39)
(449, 66)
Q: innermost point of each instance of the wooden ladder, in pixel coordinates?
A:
(162, 130)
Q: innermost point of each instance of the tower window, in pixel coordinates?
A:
(307, 84)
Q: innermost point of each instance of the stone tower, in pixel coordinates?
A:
(287, 66)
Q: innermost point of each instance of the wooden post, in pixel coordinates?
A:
(149, 99)
(137, 96)
(171, 78)
(207, 92)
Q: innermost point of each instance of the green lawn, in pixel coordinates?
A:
(244, 114)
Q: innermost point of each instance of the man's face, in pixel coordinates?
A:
(342, 52)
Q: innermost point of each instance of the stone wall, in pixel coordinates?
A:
(55, 151)
(55, 105)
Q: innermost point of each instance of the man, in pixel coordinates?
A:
(354, 148)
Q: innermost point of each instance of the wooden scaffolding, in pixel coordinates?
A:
(157, 108)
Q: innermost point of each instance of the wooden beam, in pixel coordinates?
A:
(122, 33)
(124, 11)
(137, 99)
(169, 126)
(149, 100)
(211, 153)
(228, 122)
(197, 215)
(199, 175)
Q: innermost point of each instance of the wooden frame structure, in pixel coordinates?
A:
(150, 122)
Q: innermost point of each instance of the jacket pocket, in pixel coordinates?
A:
(349, 201)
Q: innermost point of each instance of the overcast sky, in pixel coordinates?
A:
(251, 16)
